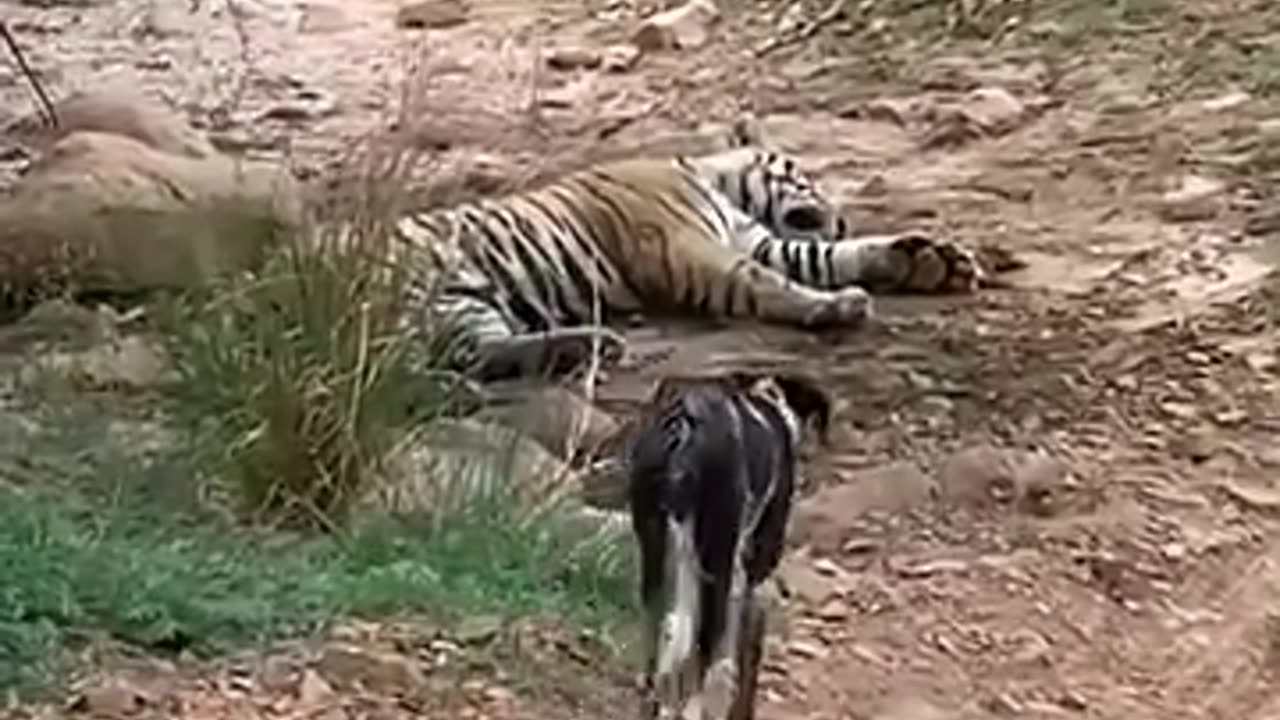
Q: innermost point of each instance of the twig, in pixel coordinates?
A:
(45, 105)
(825, 18)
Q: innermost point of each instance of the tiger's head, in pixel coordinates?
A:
(771, 188)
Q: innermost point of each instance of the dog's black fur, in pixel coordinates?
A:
(717, 454)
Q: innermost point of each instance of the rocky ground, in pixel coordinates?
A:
(1056, 498)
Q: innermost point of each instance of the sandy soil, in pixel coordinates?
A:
(1056, 498)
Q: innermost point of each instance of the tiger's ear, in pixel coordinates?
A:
(809, 402)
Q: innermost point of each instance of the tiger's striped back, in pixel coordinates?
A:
(594, 245)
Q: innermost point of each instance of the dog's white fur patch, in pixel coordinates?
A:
(680, 621)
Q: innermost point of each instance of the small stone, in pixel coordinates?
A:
(573, 58)
(1044, 483)
(835, 610)
(432, 14)
(995, 110)
(827, 568)
(802, 581)
(1229, 101)
(978, 475)
(276, 675)
(110, 699)
(1180, 410)
(1231, 418)
(1173, 551)
(499, 695)
(929, 568)
(1194, 198)
(560, 420)
(382, 671)
(619, 58)
(312, 689)
(805, 650)
(684, 27)
(310, 107)
(1004, 704)
(1262, 362)
(1252, 495)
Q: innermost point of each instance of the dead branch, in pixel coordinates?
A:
(45, 106)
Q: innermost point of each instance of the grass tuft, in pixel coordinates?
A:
(296, 379)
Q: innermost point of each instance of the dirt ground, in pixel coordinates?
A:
(1055, 498)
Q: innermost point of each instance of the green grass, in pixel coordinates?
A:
(163, 581)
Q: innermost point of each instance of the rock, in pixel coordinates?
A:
(1045, 484)
(684, 27)
(1229, 101)
(1259, 496)
(59, 323)
(604, 484)
(312, 689)
(309, 105)
(806, 650)
(432, 14)
(348, 665)
(112, 698)
(798, 578)
(279, 674)
(823, 519)
(994, 110)
(978, 476)
(561, 421)
(451, 460)
(131, 362)
(573, 58)
(983, 475)
(619, 58)
(120, 109)
(982, 112)
(1194, 198)
(109, 213)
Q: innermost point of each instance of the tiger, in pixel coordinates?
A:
(536, 281)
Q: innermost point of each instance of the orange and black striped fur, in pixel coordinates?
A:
(533, 281)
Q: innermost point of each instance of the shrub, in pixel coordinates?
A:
(296, 379)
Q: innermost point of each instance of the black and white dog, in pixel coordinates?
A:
(712, 472)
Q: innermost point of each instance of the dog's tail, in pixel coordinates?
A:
(669, 461)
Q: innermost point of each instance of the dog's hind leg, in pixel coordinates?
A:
(721, 683)
(750, 653)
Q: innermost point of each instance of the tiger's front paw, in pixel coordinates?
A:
(847, 307)
(918, 263)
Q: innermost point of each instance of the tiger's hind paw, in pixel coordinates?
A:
(917, 263)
